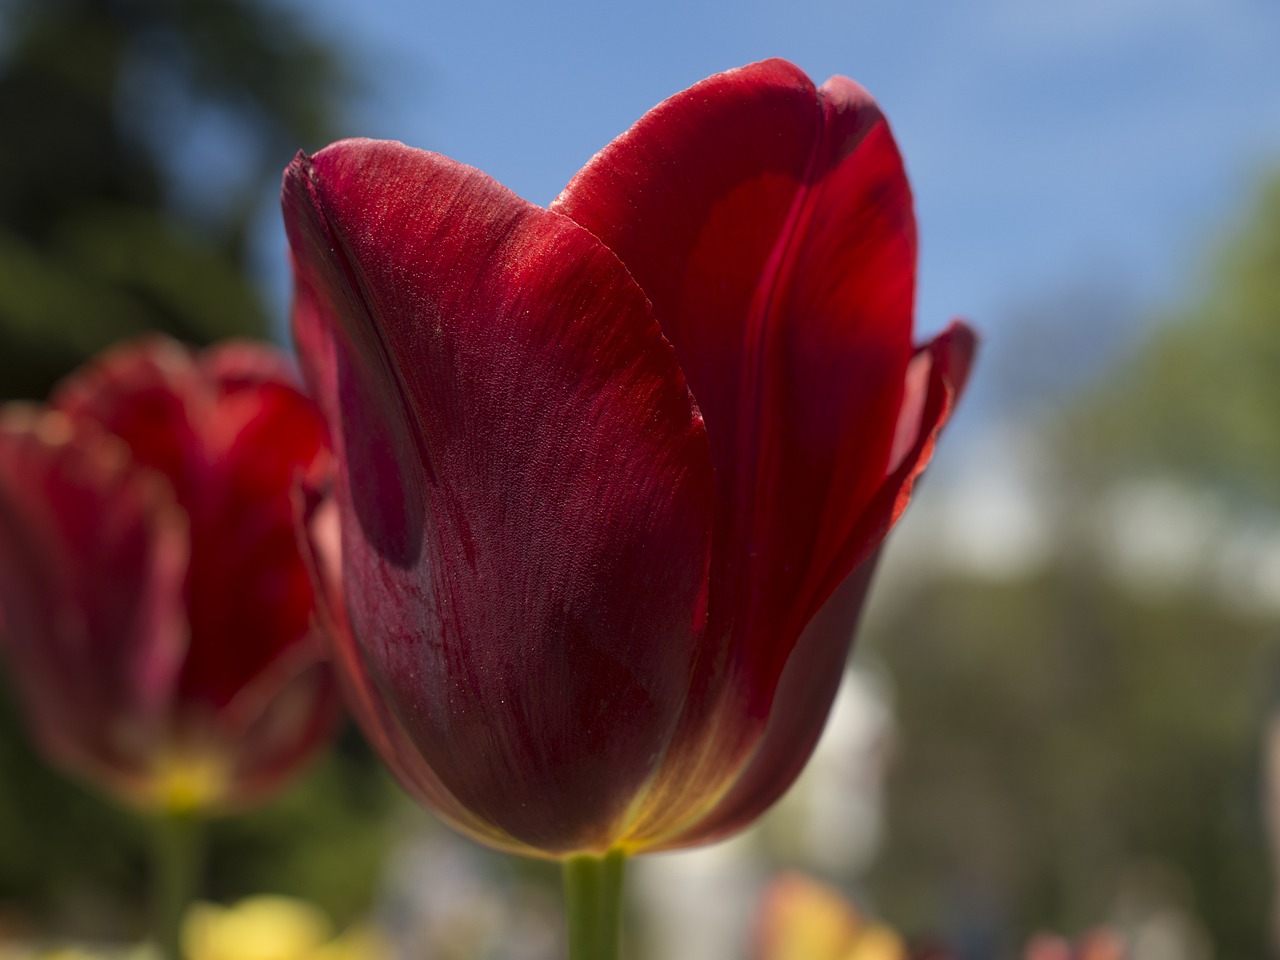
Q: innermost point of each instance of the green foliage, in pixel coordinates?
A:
(108, 226)
(1068, 740)
(325, 840)
(70, 860)
(75, 863)
(1200, 399)
(1061, 732)
(113, 224)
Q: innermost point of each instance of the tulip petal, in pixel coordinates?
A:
(784, 278)
(322, 540)
(526, 488)
(935, 378)
(93, 552)
(149, 394)
(229, 429)
(802, 702)
(264, 438)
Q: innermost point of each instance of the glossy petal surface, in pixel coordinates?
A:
(770, 224)
(525, 485)
(784, 276)
(809, 682)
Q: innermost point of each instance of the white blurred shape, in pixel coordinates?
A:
(1156, 534)
(1249, 570)
(832, 820)
(988, 516)
(698, 903)
(442, 900)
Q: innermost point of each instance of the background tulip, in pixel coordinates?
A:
(156, 614)
(612, 475)
(155, 608)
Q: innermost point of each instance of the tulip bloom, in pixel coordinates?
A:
(153, 604)
(612, 475)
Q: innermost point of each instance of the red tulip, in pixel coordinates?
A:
(612, 475)
(153, 603)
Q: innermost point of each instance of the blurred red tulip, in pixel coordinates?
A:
(1101, 943)
(153, 604)
(612, 476)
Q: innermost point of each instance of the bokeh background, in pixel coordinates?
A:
(1062, 710)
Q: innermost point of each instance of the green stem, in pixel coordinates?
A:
(593, 900)
(176, 865)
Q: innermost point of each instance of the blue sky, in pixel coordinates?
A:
(1049, 144)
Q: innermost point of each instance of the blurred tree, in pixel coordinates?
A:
(1075, 743)
(1200, 399)
(1063, 739)
(140, 136)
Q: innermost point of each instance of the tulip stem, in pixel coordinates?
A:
(593, 900)
(177, 863)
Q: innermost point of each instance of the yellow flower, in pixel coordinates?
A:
(806, 920)
(272, 928)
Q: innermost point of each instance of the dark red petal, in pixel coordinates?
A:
(801, 705)
(935, 379)
(249, 595)
(93, 552)
(808, 685)
(771, 226)
(322, 540)
(525, 486)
